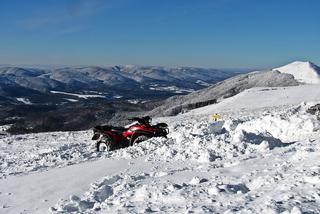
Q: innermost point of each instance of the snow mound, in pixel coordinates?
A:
(206, 141)
(305, 72)
(199, 141)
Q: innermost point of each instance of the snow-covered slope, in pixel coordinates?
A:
(222, 90)
(260, 158)
(289, 75)
(263, 97)
(305, 72)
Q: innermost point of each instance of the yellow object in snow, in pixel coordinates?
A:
(215, 117)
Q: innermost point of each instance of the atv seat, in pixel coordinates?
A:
(102, 128)
(108, 128)
(118, 129)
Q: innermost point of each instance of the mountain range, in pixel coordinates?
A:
(24, 85)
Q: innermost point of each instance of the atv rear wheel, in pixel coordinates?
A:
(104, 145)
(140, 139)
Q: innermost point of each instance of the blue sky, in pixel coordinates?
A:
(205, 33)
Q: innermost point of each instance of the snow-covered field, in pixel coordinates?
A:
(262, 157)
(82, 96)
(24, 100)
(175, 89)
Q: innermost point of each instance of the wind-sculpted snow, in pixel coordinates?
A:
(203, 167)
(267, 186)
(200, 141)
(21, 154)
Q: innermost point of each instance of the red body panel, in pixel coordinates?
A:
(127, 134)
(135, 128)
(116, 137)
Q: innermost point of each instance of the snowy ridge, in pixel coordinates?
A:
(305, 72)
(263, 97)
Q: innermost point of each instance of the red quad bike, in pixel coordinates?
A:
(110, 137)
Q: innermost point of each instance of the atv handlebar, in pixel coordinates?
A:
(134, 118)
(141, 120)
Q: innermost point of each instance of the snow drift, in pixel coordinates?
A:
(193, 150)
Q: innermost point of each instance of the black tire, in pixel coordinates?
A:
(140, 139)
(104, 145)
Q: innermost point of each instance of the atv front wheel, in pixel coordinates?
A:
(140, 139)
(104, 145)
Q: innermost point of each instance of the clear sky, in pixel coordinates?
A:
(206, 33)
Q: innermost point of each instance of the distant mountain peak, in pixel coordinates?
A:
(303, 71)
(303, 63)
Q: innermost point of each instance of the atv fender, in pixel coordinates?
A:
(139, 133)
